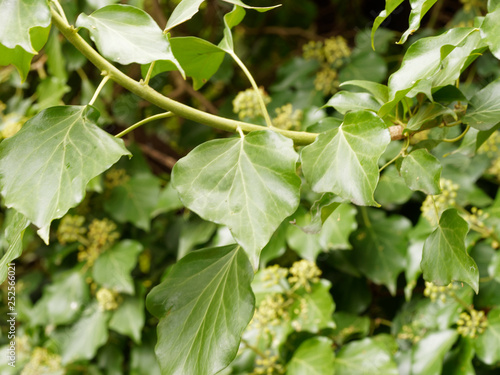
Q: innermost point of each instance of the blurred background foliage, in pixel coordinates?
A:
(80, 300)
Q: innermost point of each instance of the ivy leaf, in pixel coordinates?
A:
(365, 357)
(231, 19)
(420, 63)
(19, 57)
(418, 10)
(379, 91)
(15, 225)
(336, 229)
(20, 21)
(428, 112)
(313, 357)
(126, 34)
(445, 258)
(390, 6)
(112, 268)
(141, 192)
(243, 5)
(86, 336)
(483, 112)
(488, 343)
(422, 171)
(392, 189)
(428, 353)
(490, 31)
(199, 59)
(344, 161)
(184, 11)
(379, 249)
(204, 305)
(364, 65)
(248, 184)
(459, 360)
(129, 318)
(46, 166)
(345, 101)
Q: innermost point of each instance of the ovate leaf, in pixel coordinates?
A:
(248, 184)
(15, 225)
(428, 112)
(313, 357)
(428, 353)
(422, 171)
(365, 357)
(112, 268)
(379, 249)
(390, 6)
(231, 19)
(204, 305)
(344, 161)
(345, 101)
(46, 166)
(18, 18)
(126, 35)
(336, 229)
(483, 112)
(129, 318)
(418, 10)
(184, 11)
(444, 257)
(488, 343)
(490, 31)
(379, 91)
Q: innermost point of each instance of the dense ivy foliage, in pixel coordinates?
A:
(229, 187)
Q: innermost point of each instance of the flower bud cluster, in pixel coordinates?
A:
(409, 333)
(100, 236)
(491, 146)
(268, 365)
(10, 124)
(273, 275)
(108, 299)
(247, 105)
(472, 324)
(435, 292)
(327, 80)
(71, 229)
(271, 312)
(439, 202)
(304, 273)
(115, 177)
(286, 118)
(477, 217)
(43, 362)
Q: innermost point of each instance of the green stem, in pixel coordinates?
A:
(144, 121)
(60, 10)
(154, 97)
(435, 208)
(255, 87)
(254, 348)
(464, 304)
(459, 137)
(99, 88)
(403, 149)
(149, 73)
(366, 219)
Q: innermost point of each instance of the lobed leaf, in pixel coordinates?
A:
(483, 112)
(248, 184)
(418, 10)
(314, 356)
(490, 31)
(344, 161)
(203, 305)
(390, 6)
(346, 101)
(444, 257)
(428, 353)
(422, 171)
(46, 166)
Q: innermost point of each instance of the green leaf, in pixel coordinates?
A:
(126, 35)
(204, 305)
(490, 31)
(231, 19)
(129, 318)
(364, 65)
(379, 91)
(488, 343)
(344, 161)
(86, 336)
(445, 258)
(15, 225)
(141, 193)
(365, 357)
(243, 5)
(418, 10)
(422, 171)
(168, 200)
(275, 247)
(428, 353)
(392, 189)
(390, 6)
(320, 211)
(484, 109)
(459, 361)
(112, 269)
(18, 19)
(248, 184)
(420, 63)
(184, 11)
(303, 243)
(494, 267)
(46, 166)
(428, 112)
(315, 308)
(336, 229)
(379, 248)
(345, 101)
(348, 326)
(194, 233)
(493, 4)
(313, 357)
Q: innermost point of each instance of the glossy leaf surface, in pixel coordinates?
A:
(484, 109)
(422, 171)
(314, 356)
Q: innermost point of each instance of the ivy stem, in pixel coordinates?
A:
(435, 208)
(403, 149)
(60, 10)
(255, 87)
(154, 97)
(99, 88)
(464, 304)
(148, 74)
(459, 137)
(144, 121)
(253, 348)
(366, 219)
